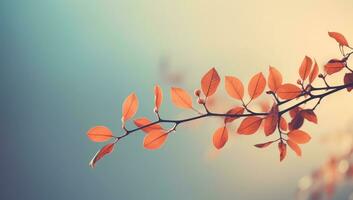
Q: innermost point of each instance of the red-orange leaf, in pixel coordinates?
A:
(295, 147)
(256, 85)
(309, 115)
(282, 147)
(210, 82)
(293, 112)
(263, 145)
(348, 79)
(339, 38)
(154, 139)
(99, 134)
(234, 111)
(288, 91)
(158, 97)
(299, 137)
(305, 68)
(107, 149)
(274, 79)
(314, 73)
(181, 98)
(249, 125)
(296, 122)
(234, 87)
(220, 137)
(283, 124)
(334, 66)
(143, 121)
(271, 121)
(130, 107)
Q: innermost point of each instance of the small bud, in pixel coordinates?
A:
(200, 101)
(197, 92)
(321, 75)
(299, 82)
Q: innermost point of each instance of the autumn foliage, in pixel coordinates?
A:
(286, 120)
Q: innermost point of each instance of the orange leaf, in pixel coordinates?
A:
(234, 87)
(282, 147)
(274, 79)
(314, 73)
(299, 137)
(249, 125)
(220, 137)
(234, 111)
(339, 38)
(348, 79)
(294, 147)
(155, 139)
(334, 66)
(158, 97)
(143, 121)
(181, 98)
(283, 124)
(305, 68)
(130, 107)
(256, 85)
(210, 82)
(271, 121)
(288, 91)
(309, 115)
(99, 134)
(263, 145)
(107, 149)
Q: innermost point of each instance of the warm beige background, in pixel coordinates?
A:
(72, 62)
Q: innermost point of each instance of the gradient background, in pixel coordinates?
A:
(67, 66)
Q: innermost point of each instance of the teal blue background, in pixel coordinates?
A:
(68, 65)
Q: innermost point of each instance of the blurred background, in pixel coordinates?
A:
(67, 66)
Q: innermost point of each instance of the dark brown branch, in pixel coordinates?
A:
(307, 92)
(176, 123)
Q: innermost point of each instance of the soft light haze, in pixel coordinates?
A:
(68, 65)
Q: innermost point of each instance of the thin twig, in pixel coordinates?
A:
(328, 90)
